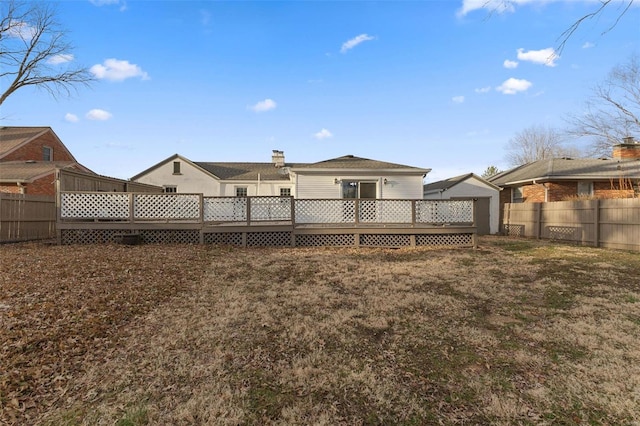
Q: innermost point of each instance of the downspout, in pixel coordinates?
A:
(258, 188)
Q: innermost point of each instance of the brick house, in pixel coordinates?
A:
(561, 179)
(29, 158)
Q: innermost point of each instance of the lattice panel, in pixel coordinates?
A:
(166, 206)
(268, 239)
(514, 230)
(170, 236)
(570, 233)
(445, 240)
(444, 211)
(90, 236)
(325, 211)
(325, 240)
(385, 211)
(270, 208)
(224, 238)
(102, 205)
(385, 240)
(227, 209)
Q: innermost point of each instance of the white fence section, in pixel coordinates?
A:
(225, 209)
(166, 206)
(110, 206)
(325, 211)
(444, 211)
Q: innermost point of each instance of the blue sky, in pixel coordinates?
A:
(434, 84)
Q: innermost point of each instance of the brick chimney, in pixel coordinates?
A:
(277, 158)
(629, 149)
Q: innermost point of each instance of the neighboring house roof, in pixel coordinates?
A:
(246, 171)
(12, 138)
(568, 169)
(28, 171)
(446, 184)
(351, 162)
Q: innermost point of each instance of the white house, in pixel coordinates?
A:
(470, 186)
(342, 177)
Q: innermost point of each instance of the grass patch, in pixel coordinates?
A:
(517, 332)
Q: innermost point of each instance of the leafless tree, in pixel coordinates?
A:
(613, 111)
(538, 143)
(34, 51)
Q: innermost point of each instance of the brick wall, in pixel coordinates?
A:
(626, 151)
(10, 189)
(561, 191)
(43, 186)
(33, 150)
(612, 189)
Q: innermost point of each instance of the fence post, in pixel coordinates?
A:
(248, 207)
(413, 213)
(538, 222)
(131, 207)
(596, 223)
(356, 209)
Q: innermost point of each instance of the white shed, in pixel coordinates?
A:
(470, 186)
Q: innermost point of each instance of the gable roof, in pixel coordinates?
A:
(443, 185)
(351, 162)
(245, 171)
(12, 138)
(28, 171)
(568, 169)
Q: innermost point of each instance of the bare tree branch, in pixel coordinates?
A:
(538, 143)
(30, 43)
(613, 111)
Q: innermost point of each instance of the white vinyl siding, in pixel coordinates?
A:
(314, 186)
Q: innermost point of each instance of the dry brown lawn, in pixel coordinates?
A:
(515, 332)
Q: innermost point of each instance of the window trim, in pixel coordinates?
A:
(169, 189)
(590, 191)
(285, 188)
(50, 150)
(515, 199)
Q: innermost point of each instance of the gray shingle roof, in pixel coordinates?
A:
(569, 169)
(353, 162)
(245, 171)
(11, 137)
(25, 171)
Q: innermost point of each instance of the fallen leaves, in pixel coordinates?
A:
(63, 306)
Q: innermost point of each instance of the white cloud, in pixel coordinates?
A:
(458, 99)
(22, 30)
(60, 59)
(263, 106)
(483, 89)
(118, 70)
(350, 44)
(323, 134)
(513, 86)
(71, 118)
(510, 64)
(499, 6)
(98, 115)
(546, 56)
(588, 45)
(121, 3)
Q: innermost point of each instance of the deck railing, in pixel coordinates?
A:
(195, 208)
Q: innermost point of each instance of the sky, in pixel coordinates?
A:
(439, 84)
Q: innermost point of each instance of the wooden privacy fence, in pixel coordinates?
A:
(611, 223)
(26, 217)
(86, 217)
